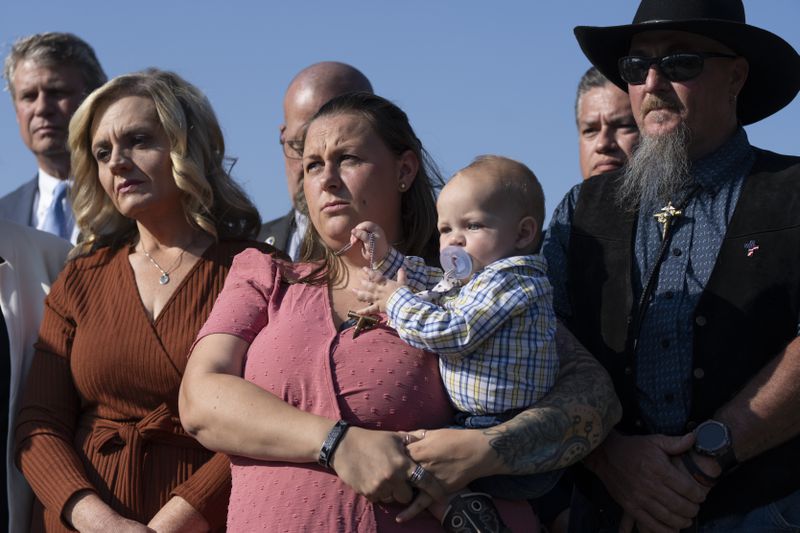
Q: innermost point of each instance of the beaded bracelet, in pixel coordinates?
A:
(332, 441)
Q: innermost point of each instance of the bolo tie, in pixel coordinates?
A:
(666, 216)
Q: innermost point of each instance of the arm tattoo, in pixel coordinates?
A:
(568, 423)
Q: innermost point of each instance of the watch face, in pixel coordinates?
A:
(711, 436)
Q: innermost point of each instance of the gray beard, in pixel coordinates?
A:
(656, 171)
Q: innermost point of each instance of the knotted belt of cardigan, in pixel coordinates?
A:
(156, 426)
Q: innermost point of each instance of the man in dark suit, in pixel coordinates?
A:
(308, 91)
(680, 272)
(48, 75)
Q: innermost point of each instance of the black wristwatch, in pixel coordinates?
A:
(713, 439)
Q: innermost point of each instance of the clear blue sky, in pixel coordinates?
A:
(474, 77)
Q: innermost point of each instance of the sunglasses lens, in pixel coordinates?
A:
(682, 67)
(675, 67)
(634, 69)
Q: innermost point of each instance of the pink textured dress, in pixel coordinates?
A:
(375, 381)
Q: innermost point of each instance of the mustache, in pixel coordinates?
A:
(654, 102)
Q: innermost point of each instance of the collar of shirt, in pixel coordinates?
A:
(301, 222)
(714, 170)
(300, 227)
(534, 262)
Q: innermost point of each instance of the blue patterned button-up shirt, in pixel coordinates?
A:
(664, 353)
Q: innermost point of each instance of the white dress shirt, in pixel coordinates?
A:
(43, 199)
(300, 227)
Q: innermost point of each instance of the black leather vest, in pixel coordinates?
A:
(748, 312)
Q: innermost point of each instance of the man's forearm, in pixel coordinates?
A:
(766, 412)
(568, 423)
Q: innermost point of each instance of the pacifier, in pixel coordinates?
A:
(456, 263)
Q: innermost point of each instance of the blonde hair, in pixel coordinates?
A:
(211, 200)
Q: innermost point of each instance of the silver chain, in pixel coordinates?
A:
(164, 279)
(370, 250)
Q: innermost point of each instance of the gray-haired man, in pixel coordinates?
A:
(48, 75)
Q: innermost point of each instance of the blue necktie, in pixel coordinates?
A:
(57, 220)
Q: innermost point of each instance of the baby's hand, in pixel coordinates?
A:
(376, 290)
(362, 232)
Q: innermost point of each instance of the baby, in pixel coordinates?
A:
(489, 314)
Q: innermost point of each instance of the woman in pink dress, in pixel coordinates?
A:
(311, 403)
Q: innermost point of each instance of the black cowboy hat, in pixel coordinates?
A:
(774, 77)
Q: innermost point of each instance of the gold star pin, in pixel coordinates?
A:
(665, 217)
(363, 323)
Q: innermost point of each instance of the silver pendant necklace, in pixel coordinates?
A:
(164, 279)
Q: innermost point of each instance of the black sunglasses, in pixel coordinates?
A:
(675, 67)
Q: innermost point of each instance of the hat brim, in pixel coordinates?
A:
(773, 79)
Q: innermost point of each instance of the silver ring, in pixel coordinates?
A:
(417, 475)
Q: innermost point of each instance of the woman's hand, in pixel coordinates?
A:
(371, 236)
(178, 516)
(88, 513)
(456, 457)
(375, 464)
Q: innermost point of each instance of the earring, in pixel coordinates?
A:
(402, 186)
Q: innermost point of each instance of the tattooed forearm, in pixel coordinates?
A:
(566, 424)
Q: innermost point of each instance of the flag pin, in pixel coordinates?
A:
(751, 247)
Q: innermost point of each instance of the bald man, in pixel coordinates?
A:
(309, 90)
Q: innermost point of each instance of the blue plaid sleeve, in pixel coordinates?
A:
(391, 264)
(482, 306)
(419, 276)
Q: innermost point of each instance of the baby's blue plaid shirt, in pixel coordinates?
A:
(495, 335)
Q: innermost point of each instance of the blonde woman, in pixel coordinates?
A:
(98, 436)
